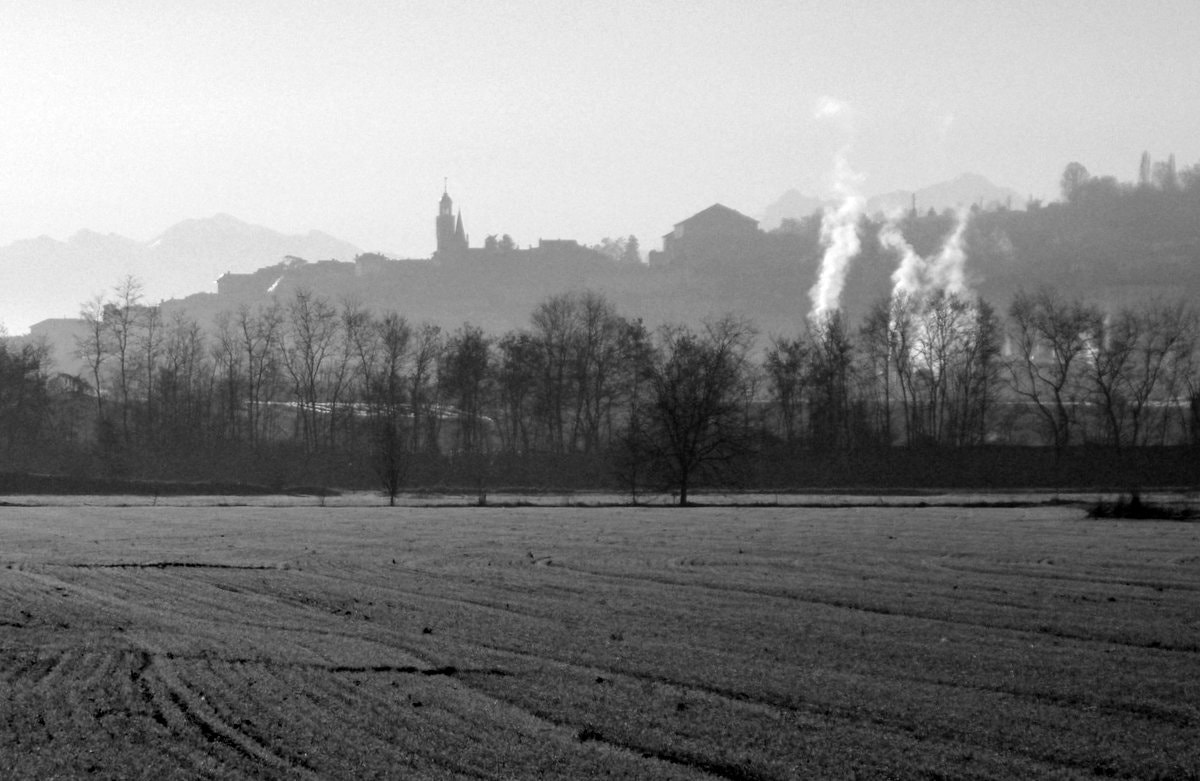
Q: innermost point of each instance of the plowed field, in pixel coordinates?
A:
(763, 643)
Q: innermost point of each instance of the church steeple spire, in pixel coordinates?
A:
(451, 236)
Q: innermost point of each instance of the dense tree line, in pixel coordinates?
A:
(310, 389)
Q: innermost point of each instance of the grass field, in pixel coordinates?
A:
(754, 643)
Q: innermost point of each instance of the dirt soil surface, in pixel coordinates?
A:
(738, 643)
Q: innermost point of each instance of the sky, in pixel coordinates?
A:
(562, 120)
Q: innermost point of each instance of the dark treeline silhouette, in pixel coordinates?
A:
(933, 390)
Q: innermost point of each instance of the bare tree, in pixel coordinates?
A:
(976, 376)
(464, 375)
(427, 346)
(185, 381)
(148, 340)
(121, 318)
(788, 374)
(692, 421)
(308, 344)
(877, 376)
(517, 373)
(382, 347)
(1107, 370)
(93, 348)
(1051, 338)
(555, 325)
(1163, 366)
(831, 373)
(230, 372)
(956, 348)
(337, 378)
(598, 354)
(901, 344)
(258, 335)
(1134, 366)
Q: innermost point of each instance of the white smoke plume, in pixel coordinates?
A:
(839, 235)
(948, 268)
(917, 276)
(909, 278)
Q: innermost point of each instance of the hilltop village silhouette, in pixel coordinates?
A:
(717, 260)
(712, 236)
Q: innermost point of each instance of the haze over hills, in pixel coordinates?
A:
(792, 205)
(769, 274)
(1134, 241)
(964, 190)
(45, 277)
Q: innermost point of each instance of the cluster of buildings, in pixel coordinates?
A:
(715, 235)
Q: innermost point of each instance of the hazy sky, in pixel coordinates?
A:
(561, 119)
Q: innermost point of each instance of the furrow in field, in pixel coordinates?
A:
(444, 600)
(885, 594)
(86, 717)
(722, 734)
(98, 603)
(1020, 659)
(1041, 571)
(437, 726)
(185, 706)
(18, 665)
(398, 725)
(1043, 738)
(179, 612)
(291, 703)
(190, 746)
(645, 644)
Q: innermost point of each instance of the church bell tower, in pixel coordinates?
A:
(451, 239)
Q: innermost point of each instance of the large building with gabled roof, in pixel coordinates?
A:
(714, 235)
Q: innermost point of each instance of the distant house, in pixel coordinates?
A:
(255, 283)
(715, 235)
(61, 335)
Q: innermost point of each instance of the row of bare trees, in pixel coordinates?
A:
(1127, 379)
(581, 379)
(943, 370)
(665, 407)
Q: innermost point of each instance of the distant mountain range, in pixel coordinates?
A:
(964, 190)
(44, 277)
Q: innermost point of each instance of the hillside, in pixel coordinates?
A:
(1111, 245)
(963, 191)
(1143, 245)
